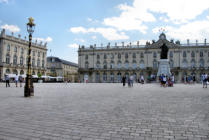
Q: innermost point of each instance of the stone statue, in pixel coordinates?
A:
(164, 52)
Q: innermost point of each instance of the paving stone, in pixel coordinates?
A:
(105, 112)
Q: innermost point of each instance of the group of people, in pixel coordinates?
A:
(166, 80)
(190, 79)
(17, 79)
(130, 80)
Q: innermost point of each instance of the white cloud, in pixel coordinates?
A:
(80, 40)
(74, 45)
(11, 28)
(4, 1)
(134, 17)
(94, 37)
(48, 39)
(108, 33)
(193, 30)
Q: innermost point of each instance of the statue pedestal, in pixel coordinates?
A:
(164, 67)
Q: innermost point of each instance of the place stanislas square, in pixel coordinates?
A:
(104, 111)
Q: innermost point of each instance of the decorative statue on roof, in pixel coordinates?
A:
(164, 52)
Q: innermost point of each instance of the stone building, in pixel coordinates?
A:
(62, 68)
(14, 53)
(110, 63)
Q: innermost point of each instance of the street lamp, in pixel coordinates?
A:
(29, 89)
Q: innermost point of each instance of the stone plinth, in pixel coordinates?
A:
(164, 67)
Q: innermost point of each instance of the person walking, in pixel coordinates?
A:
(205, 79)
(20, 80)
(172, 79)
(124, 80)
(132, 80)
(142, 79)
(16, 80)
(7, 80)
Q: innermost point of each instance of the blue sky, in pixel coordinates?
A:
(65, 24)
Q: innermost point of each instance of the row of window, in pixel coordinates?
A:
(22, 72)
(22, 51)
(141, 65)
(21, 61)
(201, 54)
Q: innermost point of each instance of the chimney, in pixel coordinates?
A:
(196, 42)
(3, 32)
(41, 43)
(122, 44)
(137, 43)
(205, 41)
(19, 36)
(12, 33)
(95, 45)
(45, 44)
(108, 44)
(101, 45)
(25, 38)
(130, 44)
(187, 41)
(115, 44)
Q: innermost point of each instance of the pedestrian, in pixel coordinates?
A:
(124, 80)
(142, 79)
(20, 80)
(7, 80)
(16, 80)
(205, 79)
(132, 80)
(164, 81)
(172, 80)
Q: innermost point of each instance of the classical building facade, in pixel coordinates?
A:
(14, 53)
(110, 63)
(62, 68)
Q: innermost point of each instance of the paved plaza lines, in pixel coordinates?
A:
(105, 112)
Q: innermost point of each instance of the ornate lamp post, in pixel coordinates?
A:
(29, 90)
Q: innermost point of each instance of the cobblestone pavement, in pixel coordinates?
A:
(105, 112)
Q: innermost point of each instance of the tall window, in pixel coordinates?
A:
(192, 54)
(134, 64)
(119, 56)
(98, 64)
(141, 64)
(171, 54)
(33, 53)
(201, 63)
(7, 59)
(184, 63)
(119, 64)
(184, 54)
(126, 55)
(154, 54)
(104, 77)
(86, 64)
(38, 54)
(43, 55)
(105, 56)
(105, 65)
(21, 60)
(201, 53)
(8, 47)
(15, 60)
(171, 63)
(112, 56)
(126, 64)
(33, 62)
(193, 63)
(86, 57)
(38, 63)
(134, 55)
(155, 64)
(43, 63)
(15, 49)
(98, 56)
(112, 65)
(141, 55)
(22, 51)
